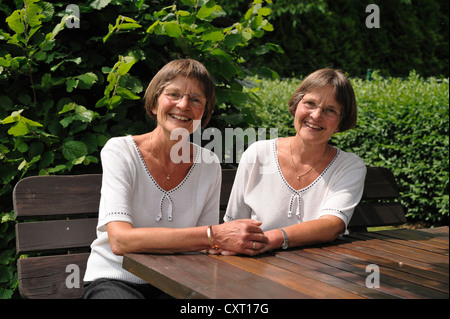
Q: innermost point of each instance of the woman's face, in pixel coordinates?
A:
(180, 104)
(317, 116)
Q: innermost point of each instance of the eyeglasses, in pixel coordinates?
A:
(194, 99)
(327, 112)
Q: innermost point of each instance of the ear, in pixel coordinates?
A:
(155, 109)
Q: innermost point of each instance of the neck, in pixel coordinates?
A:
(168, 150)
(308, 153)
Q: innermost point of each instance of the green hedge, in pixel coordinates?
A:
(403, 124)
(413, 35)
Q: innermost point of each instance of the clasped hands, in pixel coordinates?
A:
(243, 236)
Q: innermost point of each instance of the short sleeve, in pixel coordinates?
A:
(117, 185)
(345, 190)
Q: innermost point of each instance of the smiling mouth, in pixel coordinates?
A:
(180, 117)
(313, 126)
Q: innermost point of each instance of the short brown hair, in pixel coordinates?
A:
(343, 91)
(188, 68)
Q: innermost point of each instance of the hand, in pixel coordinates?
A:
(243, 236)
(275, 239)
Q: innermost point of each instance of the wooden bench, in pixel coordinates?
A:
(57, 216)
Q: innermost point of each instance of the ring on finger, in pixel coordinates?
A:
(254, 244)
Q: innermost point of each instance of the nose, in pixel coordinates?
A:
(317, 112)
(184, 102)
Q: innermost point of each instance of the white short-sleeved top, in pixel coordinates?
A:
(261, 192)
(130, 194)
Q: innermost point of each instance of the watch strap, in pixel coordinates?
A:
(285, 244)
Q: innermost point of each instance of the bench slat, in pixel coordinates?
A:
(57, 195)
(55, 235)
(49, 278)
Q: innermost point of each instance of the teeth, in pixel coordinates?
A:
(313, 126)
(179, 117)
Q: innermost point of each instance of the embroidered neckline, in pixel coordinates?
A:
(277, 163)
(166, 194)
(154, 181)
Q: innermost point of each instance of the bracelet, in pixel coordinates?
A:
(285, 244)
(210, 238)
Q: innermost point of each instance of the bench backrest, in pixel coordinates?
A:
(57, 217)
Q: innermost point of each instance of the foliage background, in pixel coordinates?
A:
(413, 35)
(65, 91)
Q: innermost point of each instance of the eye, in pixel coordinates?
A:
(330, 110)
(309, 104)
(174, 95)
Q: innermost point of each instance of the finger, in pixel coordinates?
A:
(255, 246)
(213, 251)
(259, 238)
(228, 253)
(252, 226)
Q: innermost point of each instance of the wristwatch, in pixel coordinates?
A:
(285, 244)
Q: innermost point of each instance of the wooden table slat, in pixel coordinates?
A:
(289, 279)
(423, 266)
(391, 268)
(203, 277)
(387, 284)
(291, 262)
(417, 239)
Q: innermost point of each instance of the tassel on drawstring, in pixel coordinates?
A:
(169, 210)
(294, 197)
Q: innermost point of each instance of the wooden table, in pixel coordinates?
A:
(408, 263)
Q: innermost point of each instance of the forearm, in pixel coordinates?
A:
(325, 229)
(124, 238)
(242, 236)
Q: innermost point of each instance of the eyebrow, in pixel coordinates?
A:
(178, 90)
(311, 99)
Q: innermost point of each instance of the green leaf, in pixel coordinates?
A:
(214, 36)
(19, 129)
(267, 26)
(172, 29)
(127, 94)
(73, 150)
(87, 80)
(100, 4)
(207, 10)
(264, 11)
(232, 40)
(16, 22)
(71, 84)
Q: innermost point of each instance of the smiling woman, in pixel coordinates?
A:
(310, 188)
(152, 203)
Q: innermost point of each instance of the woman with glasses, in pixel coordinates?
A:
(301, 188)
(159, 194)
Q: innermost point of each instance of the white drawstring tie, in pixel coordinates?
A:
(295, 198)
(169, 210)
